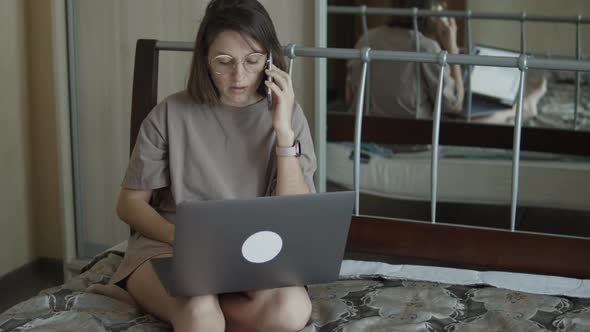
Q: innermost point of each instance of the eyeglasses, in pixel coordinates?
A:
(226, 64)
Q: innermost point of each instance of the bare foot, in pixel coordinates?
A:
(113, 291)
(532, 99)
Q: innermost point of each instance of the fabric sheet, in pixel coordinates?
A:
(363, 302)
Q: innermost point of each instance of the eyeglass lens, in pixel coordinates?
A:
(226, 64)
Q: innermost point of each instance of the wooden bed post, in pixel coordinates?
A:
(144, 95)
(145, 85)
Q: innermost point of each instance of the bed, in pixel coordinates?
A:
(469, 175)
(402, 180)
(370, 296)
(398, 275)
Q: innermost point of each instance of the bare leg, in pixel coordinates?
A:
(530, 103)
(201, 313)
(532, 98)
(276, 310)
(113, 291)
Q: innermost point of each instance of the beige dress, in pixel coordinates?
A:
(187, 151)
(393, 83)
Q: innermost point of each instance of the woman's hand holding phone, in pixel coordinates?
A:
(281, 86)
(446, 32)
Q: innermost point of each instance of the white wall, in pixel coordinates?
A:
(44, 176)
(558, 39)
(16, 244)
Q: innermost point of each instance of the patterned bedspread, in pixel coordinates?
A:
(557, 107)
(368, 303)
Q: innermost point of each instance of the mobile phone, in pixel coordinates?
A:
(269, 79)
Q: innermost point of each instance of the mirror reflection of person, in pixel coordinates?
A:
(393, 83)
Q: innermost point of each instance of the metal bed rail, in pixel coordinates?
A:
(456, 13)
(468, 15)
(523, 63)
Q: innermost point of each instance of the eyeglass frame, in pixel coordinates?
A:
(238, 62)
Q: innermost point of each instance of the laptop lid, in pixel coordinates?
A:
(497, 83)
(484, 106)
(266, 242)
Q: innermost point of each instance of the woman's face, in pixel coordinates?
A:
(236, 65)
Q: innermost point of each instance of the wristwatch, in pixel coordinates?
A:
(293, 151)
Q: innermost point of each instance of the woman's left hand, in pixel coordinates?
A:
(446, 30)
(282, 105)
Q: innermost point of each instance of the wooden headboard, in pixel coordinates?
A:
(419, 131)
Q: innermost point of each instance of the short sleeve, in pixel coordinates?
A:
(148, 165)
(307, 159)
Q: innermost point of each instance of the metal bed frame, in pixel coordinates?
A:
(468, 16)
(435, 242)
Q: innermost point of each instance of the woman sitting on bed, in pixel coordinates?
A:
(393, 83)
(216, 140)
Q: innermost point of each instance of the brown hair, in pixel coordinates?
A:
(247, 17)
(407, 21)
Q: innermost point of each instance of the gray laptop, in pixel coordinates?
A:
(494, 88)
(266, 242)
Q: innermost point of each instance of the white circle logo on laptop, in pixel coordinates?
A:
(261, 247)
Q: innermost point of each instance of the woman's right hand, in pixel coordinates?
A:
(446, 32)
(134, 209)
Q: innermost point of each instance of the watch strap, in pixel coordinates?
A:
(292, 151)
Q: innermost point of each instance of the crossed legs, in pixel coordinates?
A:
(281, 309)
